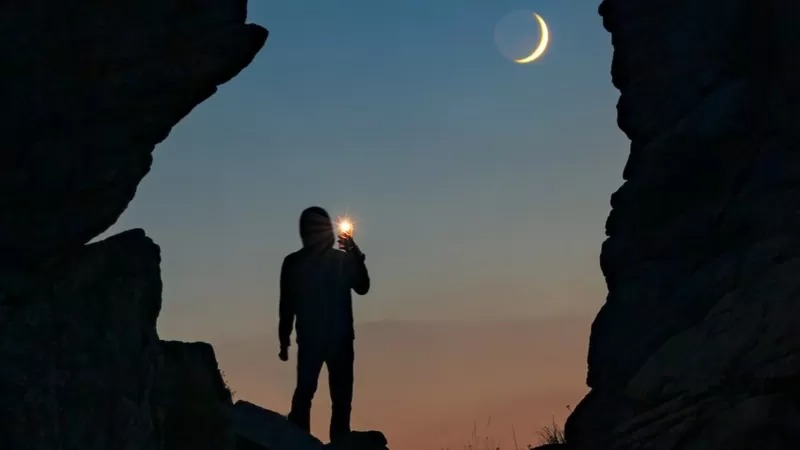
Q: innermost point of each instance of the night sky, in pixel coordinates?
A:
(479, 187)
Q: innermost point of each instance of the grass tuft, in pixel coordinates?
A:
(551, 434)
(548, 435)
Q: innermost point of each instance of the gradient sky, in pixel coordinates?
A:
(480, 187)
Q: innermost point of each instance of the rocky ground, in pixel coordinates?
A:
(257, 428)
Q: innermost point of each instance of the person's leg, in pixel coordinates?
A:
(309, 364)
(340, 381)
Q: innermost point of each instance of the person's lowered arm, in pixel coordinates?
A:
(286, 312)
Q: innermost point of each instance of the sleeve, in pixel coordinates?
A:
(286, 307)
(360, 274)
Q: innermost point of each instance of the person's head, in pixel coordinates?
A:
(316, 228)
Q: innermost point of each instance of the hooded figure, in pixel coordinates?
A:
(315, 298)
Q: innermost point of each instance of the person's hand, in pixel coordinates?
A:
(284, 354)
(347, 243)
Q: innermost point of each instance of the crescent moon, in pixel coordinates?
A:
(543, 42)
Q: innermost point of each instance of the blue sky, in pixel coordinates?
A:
(480, 187)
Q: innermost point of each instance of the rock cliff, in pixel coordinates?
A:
(89, 89)
(696, 346)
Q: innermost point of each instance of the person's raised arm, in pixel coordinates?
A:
(286, 311)
(356, 265)
(361, 283)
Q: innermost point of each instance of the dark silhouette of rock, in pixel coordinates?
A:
(83, 367)
(697, 343)
(360, 440)
(89, 88)
(80, 352)
(197, 403)
(551, 447)
(257, 428)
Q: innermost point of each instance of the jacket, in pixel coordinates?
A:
(315, 296)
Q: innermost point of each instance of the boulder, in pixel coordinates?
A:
(81, 357)
(257, 428)
(197, 402)
(696, 345)
(83, 367)
(360, 440)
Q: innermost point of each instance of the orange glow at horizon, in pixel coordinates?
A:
(508, 377)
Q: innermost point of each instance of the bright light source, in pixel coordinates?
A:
(345, 226)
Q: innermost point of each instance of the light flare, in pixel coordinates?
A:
(346, 226)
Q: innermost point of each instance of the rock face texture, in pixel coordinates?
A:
(196, 402)
(81, 357)
(258, 428)
(697, 345)
(89, 88)
(83, 366)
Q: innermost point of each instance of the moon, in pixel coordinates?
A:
(544, 41)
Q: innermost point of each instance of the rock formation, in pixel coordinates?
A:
(697, 345)
(195, 398)
(257, 428)
(80, 353)
(89, 89)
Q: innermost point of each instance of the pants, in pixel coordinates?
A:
(339, 361)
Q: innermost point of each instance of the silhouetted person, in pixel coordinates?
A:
(315, 290)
